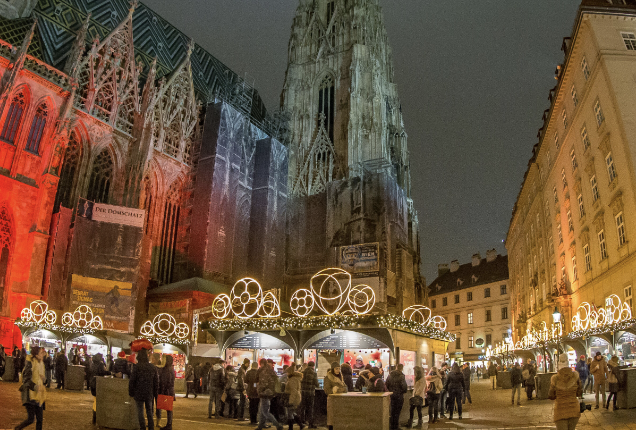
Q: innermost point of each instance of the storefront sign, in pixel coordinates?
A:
(361, 260)
(110, 300)
(111, 214)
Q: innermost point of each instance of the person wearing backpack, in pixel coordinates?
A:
(612, 379)
(433, 390)
(266, 389)
(294, 397)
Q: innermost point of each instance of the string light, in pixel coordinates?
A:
(246, 300)
(38, 312)
(164, 326)
(423, 315)
(82, 317)
(589, 317)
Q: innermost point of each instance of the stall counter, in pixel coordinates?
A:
(350, 411)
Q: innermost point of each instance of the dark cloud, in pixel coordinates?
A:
(473, 77)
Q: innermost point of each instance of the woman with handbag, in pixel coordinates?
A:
(433, 390)
(334, 382)
(166, 391)
(33, 389)
(565, 390)
(417, 401)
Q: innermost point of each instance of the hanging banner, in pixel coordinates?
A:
(360, 260)
(111, 214)
(110, 300)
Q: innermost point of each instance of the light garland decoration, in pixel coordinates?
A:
(54, 327)
(325, 322)
(537, 338)
(589, 317)
(331, 289)
(423, 315)
(82, 317)
(246, 300)
(164, 326)
(38, 312)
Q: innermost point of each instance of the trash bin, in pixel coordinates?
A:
(626, 397)
(542, 384)
(115, 408)
(75, 378)
(503, 380)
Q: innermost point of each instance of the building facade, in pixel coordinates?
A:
(571, 234)
(474, 298)
(349, 181)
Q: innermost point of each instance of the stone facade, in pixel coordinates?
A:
(349, 178)
(570, 236)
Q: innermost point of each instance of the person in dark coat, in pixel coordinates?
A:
(308, 387)
(120, 366)
(376, 381)
(189, 377)
(455, 387)
(251, 382)
(467, 374)
(347, 376)
(516, 378)
(198, 370)
(396, 384)
(143, 387)
(528, 372)
(241, 388)
(16, 364)
(583, 369)
(98, 369)
(61, 364)
(266, 388)
(166, 388)
(216, 378)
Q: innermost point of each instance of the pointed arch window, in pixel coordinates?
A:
(169, 229)
(6, 241)
(14, 118)
(101, 178)
(37, 129)
(326, 104)
(68, 176)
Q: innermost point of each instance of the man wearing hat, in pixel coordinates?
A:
(120, 366)
(584, 371)
(598, 368)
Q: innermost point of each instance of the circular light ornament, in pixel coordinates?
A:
(330, 288)
(269, 306)
(82, 317)
(246, 297)
(418, 313)
(221, 306)
(38, 312)
(361, 299)
(182, 330)
(438, 322)
(164, 325)
(302, 302)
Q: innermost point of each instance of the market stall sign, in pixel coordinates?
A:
(347, 340)
(259, 341)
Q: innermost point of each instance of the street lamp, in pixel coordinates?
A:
(556, 316)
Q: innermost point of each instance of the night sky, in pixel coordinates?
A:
(473, 78)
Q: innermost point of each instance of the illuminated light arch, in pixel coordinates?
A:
(246, 300)
(82, 317)
(325, 280)
(302, 302)
(270, 308)
(39, 313)
(423, 315)
(361, 299)
(587, 316)
(221, 306)
(165, 326)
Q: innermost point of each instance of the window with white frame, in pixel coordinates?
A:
(611, 170)
(629, 39)
(594, 185)
(620, 229)
(556, 139)
(579, 198)
(556, 196)
(504, 313)
(575, 98)
(628, 297)
(598, 113)
(563, 179)
(585, 69)
(573, 158)
(570, 223)
(584, 137)
(564, 119)
(575, 273)
(588, 257)
(470, 318)
(601, 244)
(560, 233)
(471, 342)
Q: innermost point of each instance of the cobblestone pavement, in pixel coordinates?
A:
(67, 410)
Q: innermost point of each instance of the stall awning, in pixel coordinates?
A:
(192, 284)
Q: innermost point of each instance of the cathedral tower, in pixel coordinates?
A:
(349, 179)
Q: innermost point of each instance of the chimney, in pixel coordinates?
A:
(454, 267)
(491, 255)
(442, 269)
(476, 259)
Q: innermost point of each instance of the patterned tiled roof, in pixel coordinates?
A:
(468, 276)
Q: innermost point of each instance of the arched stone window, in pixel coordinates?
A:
(6, 242)
(68, 177)
(326, 104)
(37, 129)
(101, 178)
(169, 230)
(14, 118)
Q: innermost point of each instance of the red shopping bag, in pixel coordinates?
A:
(164, 402)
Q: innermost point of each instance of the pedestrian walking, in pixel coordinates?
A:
(231, 392)
(33, 389)
(189, 377)
(443, 394)
(347, 376)
(598, 368)
(417, 400)
(396, 384)
(334, 382)
(294, 397)
(516, 378)
(472, 373)
(166, 388)
(612, 379)
(528, 373)
(144, 387)
(433, 391)
(583, 370)
(565, 388)
(478, 373)
(308, 387)
(216, 378)
(455, 388)
(242, 388)
(61, 364)
(266, 389)
(251, 381)
(467, 375)
(492, 374)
